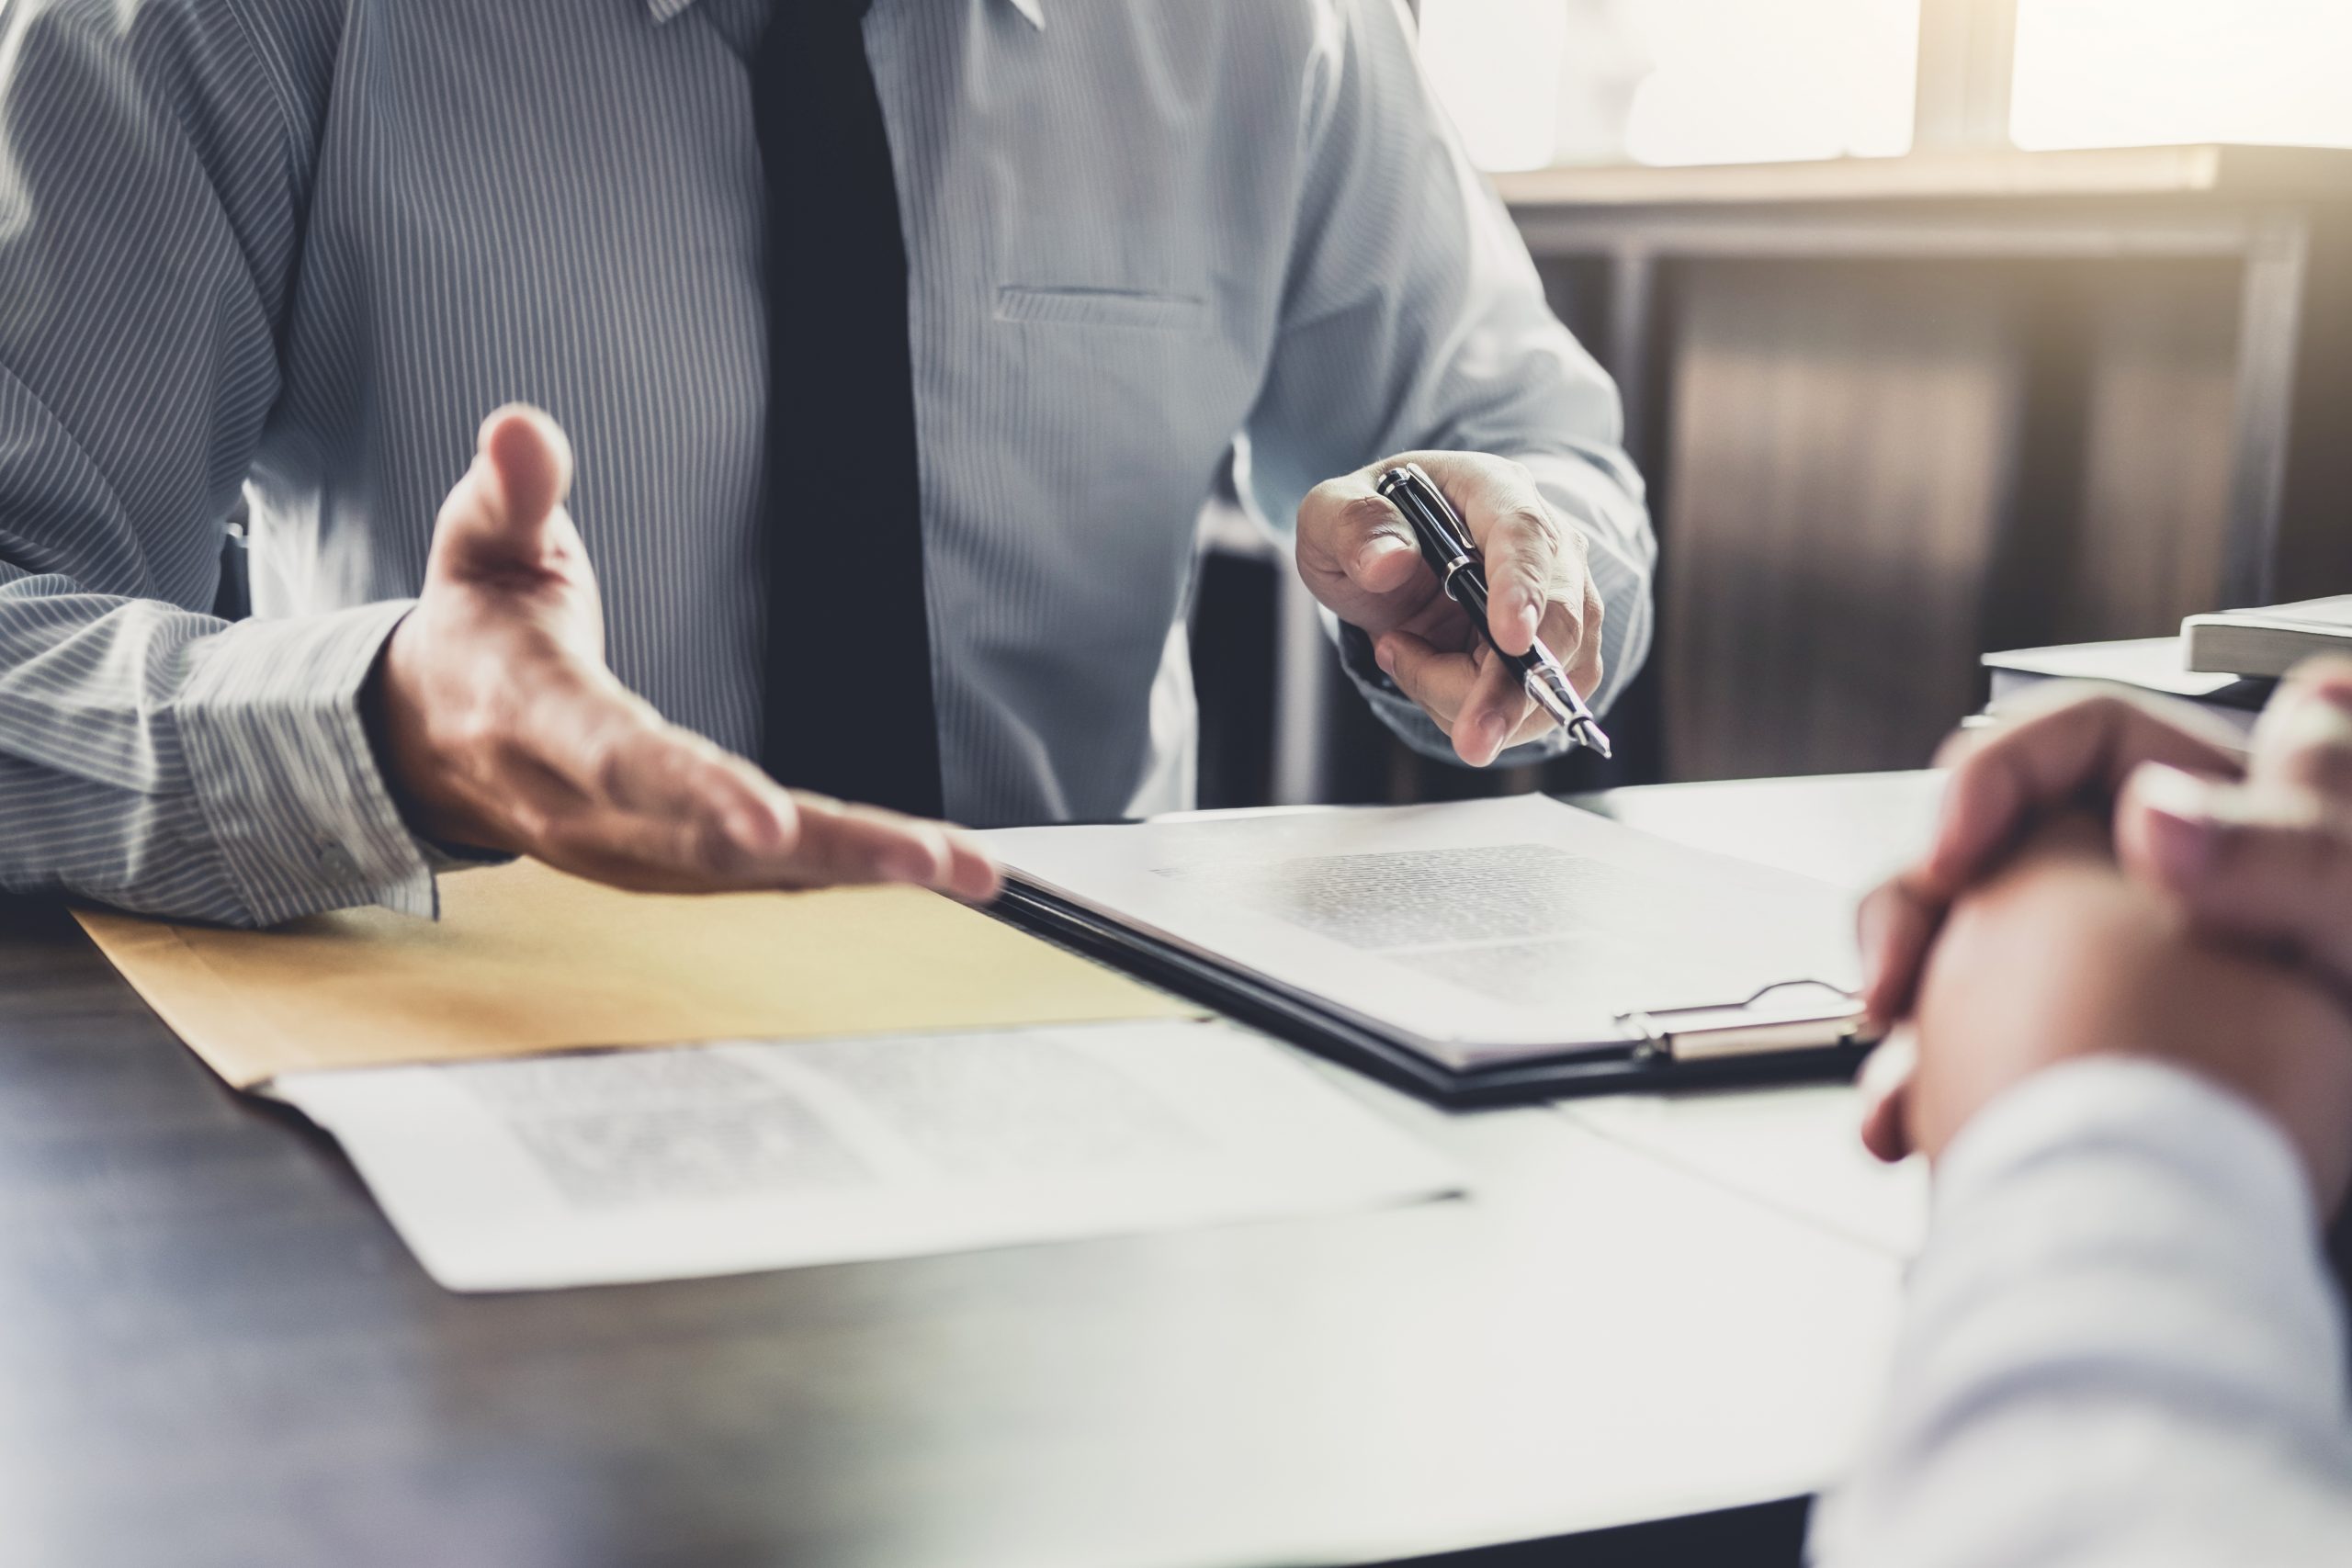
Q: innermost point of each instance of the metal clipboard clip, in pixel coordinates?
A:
(1830, 1015)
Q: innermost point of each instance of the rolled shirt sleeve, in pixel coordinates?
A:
(2121, 1346)
(1414, 318)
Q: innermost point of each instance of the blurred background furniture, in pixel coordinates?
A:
(1895, 410)
(1899, 413)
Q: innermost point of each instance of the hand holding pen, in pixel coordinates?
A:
(1359, 555)
(1449, 551)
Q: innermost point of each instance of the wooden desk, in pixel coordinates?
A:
(216, 1352)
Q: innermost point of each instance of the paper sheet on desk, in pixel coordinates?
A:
(1793, 1149)
(526, 959)
(611, 1167)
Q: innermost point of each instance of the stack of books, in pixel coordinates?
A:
(2267, 643)
(2225, 663)
(2152, 664)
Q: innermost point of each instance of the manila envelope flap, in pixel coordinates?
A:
(527, 959)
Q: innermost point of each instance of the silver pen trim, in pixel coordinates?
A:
(1548, 682)
(1549, 700)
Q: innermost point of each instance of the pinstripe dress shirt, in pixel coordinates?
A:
(300, 247)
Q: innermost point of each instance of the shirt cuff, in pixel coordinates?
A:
(1604, 505)
(2119, 1331)
(2119, 1211)
(2129, 1104)
(284, 773)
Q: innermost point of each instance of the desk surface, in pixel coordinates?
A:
(217, 1352)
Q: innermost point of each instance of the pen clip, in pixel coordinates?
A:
(1444, 542)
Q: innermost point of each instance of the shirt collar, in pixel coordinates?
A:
(665, 9)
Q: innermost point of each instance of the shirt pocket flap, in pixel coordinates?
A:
(1100, 308)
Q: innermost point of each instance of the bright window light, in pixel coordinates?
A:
(2136, 72)
(1497, 66)
(1737, 82)
(1537, 82)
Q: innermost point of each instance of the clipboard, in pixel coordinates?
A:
(1792, 1031)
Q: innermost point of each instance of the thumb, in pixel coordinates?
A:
(1359, 537)
(508, 509)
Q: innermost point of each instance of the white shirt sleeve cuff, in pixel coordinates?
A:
(2240, 1157)
(2119, 1340)
(1604, 504)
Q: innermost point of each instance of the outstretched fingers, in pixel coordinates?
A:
(648, 804)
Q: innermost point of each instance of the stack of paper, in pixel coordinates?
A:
(2155, 664)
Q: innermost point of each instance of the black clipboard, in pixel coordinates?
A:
(1734, 1044)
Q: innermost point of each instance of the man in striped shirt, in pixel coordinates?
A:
(880, 356)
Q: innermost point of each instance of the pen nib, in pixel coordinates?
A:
(1548, 684)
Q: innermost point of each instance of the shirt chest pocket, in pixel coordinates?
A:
(1135, 387)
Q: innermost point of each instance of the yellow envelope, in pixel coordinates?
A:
(528, 959)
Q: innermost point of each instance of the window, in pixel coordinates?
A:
(2134, 73)
(1537, 82)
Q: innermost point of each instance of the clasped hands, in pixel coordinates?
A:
(2107, 876)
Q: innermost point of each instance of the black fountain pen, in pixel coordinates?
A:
(1446, 545)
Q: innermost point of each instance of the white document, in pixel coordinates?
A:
(602, 1168)
(1797, 1149)
(1479, 931)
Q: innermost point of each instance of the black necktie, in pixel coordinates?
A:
(848, 687)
